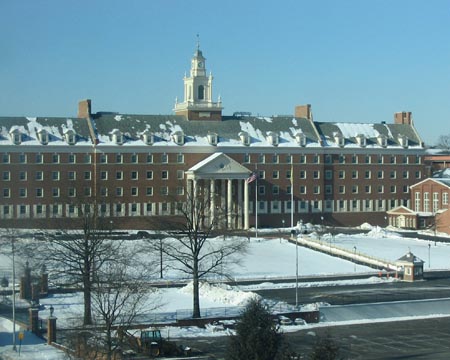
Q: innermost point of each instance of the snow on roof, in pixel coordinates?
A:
(350, 130)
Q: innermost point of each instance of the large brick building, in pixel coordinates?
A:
(133, 168)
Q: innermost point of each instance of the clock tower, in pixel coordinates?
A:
(197, 103)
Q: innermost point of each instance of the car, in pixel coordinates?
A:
(300, 321)
(285, 320)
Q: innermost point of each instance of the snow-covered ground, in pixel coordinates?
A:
(266, 259)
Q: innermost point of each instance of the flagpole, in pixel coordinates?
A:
(292, 195)
(256, 201)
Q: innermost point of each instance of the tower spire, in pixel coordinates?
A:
(198, 42)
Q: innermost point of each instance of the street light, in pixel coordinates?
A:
(429, 250)
(354, 258)
(13, 293)
(296, 265)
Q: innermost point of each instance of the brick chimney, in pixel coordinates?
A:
(404, 117)
(303, 111)
(84, 109)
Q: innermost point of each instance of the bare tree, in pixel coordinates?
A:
(194, 252)
(444, 142)
(77, 255)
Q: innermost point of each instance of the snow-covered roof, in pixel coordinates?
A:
(162, 127)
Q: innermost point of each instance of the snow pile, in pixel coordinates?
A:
(366, 226)
(378, 232)
(221, 293)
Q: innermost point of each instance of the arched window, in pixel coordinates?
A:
(201, 92)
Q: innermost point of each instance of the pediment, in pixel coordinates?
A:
(218, 166)
(401, 210)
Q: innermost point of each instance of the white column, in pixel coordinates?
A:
(223, 217)
(246, 215)
(239, 185)
(212, 195)
(229, 203)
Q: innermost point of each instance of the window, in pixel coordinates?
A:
(393, 159)
(417, 201)
(71, 192)
(149, 175)
(55, 192)
(87, 191)
(341, 159)
(134, 158)
(164, 190)
(103, 175)
(6, 193)
(368, 159)
(341, 174)
(445, 198)
(288, 190)
(275, 159)
(328, 189)
(354, 159)
(39, 159)
(103, 159)
(119, 175)
(180, 190)
(39, 192)
(302, 174)
(103, 191)
(55, 175)
(302, 189)
(23, 175)
(341, 189)
(405, 159)
(71, 159)
(134, 191)
(180, 174)
(354, 174)
(39, 175)
(405, 189)
(149, 191)
(380, 189)
(328, 174)
(22, 192)
(328, 159)
(316, 159)
(380, 159)
(71, 175)
(246, 158)
(55, 158)
(275, 174)
(289, 159)
(316, 174)
(87, 158)
(164, 158)
(261, 190)
(405, 174)
(261, 174)
(316, 189)
(275, 190)
(5, 158)
(418, 174)
(6, 176)
(368, 189)
(302, 159)
(288, 174)
(149, 207)
(134, 175)
(118, 208)
(149, 158)
(119, 158)
(261, 158)
(435, 202)
(119, 191)
(22, 158)
(164, 174)
(368, 174)
(393, 174)
(87, 175)
(354, 189)
(380, 174)
(22, 209)
(180, 158)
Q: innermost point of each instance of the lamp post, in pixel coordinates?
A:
(13, 293)
(429, 251)
(296, 266)
(354, 258)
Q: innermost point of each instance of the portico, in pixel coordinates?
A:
(219, 182)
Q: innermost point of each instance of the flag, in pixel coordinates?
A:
(252, 178)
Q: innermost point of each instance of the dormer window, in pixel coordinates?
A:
(403, 140)
(116, 137)
(212, 139)
(382, 140)
(70, 136)
(16, 136)
(43, 136)
(147, 137)
(339, 139)
(245, 138)
(178, 137)
(272, 138)
(300, 138)
(361, 140)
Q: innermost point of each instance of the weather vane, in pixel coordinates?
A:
(198, 42)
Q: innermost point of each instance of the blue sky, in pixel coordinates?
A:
(353, 60)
